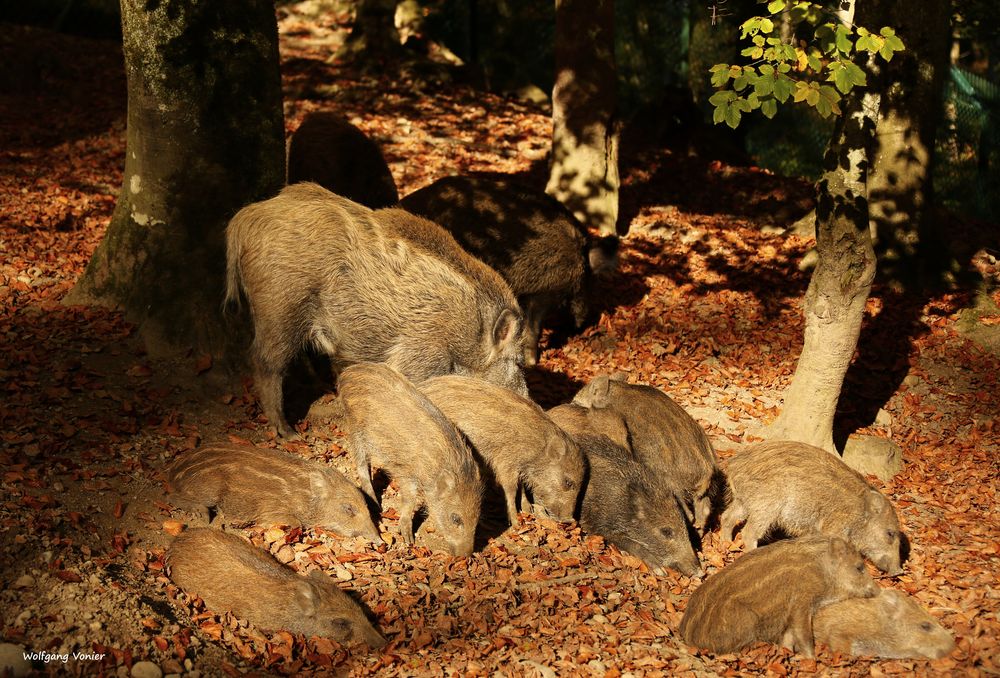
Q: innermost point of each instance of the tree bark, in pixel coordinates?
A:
(374, 36)
(835, 300)
(205, 136)
(584, 173)
(900, 189)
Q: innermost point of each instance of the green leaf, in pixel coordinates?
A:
(827, 101)
(801, 91)
(783, 86)
(753, 52)
(775, 6)
(769, 107)
(844, 39)
(720, 77)
(764, 85)
(722, 98)
(766, 25)
(766, 69)
(719, 114)
(751, 26)
(814, 62)
(732, 117)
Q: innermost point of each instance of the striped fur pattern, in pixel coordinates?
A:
(231, 575)
(270, 487)
(393, 426)
(665, 438)
(771, 594)
(803, 489)
(521, 445)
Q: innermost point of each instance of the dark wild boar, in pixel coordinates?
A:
(319, 270)
(890, 625)
(231, 575)
(528, 236)
(802, 489)
(514, 437)
(771, 594)
(269, 487)
(665, 438)
(330, 151)
(631, 510)
(393, 426)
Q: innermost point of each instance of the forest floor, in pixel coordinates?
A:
(705, 305)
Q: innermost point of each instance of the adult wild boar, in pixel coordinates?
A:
(330, 151)
(361, 286)
(529, 237)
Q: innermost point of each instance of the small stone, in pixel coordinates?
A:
(883, 418)
(911, 380)
(95, 626)
(146, 669)
(47, 557)
(24, 581)
(188, 664)
(879, 457)
(12, 660)
(285, 554)
(58, 487)
(343, 574)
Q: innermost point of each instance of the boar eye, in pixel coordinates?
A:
(568, 484)
(891, 534)
(456, 519)
(925, 626)
(667, 532)
(350, 510)
(861, 566)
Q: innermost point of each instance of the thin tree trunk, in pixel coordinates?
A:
(584, 173)
(835, 301)
(205, 136)
(900, 186)
(374, 36)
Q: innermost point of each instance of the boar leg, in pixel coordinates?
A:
(510, 494)
(409, 502)
(270, 362)
(752, 533)
(534, 312)
(798, 637)
(734, 514)
(360, 450)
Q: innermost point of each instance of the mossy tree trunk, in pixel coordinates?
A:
(835, 300)
(900, 190)
(205, 136)
(584, 173)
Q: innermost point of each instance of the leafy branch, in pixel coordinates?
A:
(818, 72)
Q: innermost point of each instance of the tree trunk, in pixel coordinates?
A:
(900, 191)
(205, 136)
(374, 36)
(835, 301)
(584, 174)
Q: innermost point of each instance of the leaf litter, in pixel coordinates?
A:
(705, 305)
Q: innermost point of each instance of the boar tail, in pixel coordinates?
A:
(234, 251)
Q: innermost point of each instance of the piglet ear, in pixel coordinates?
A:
(839, 547)
(595, 394)
(506, 329)
(446, 483)
(620, 376)
(874, 502)
(305, 597)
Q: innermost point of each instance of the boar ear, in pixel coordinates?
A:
(505, 329)
(839, 547)
(620, 376)
(874, 503)
(599, 391)
(305, 597)
(446, 483)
